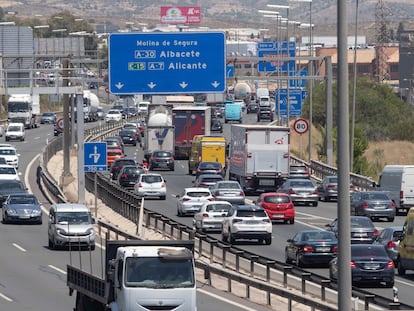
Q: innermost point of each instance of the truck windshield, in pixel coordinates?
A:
(73, 218)
(154, 272)
(17, 107)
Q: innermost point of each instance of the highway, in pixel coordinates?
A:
(33, 278)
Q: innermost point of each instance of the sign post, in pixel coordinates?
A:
(301, 126)
(167, 63)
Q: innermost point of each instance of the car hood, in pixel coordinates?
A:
(23, 207)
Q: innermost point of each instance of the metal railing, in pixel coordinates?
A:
(232, 263)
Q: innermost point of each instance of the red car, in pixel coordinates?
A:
(278, 206)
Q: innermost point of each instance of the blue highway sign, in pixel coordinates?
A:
(275, 50)
(295, 101)
(95, 157)
(167, 63)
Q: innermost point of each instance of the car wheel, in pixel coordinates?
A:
(179, 213)
(401, 269)
(299, 262)
(231, 238)
(51, 244)
(223, 237)
(163, 197)
(292, 221)
(389, 284)
(40, 222)
(390, 219)
(287, 259)
(268, 240)
(331, 276)
(4, 220)
(327, 199)
(315, 204)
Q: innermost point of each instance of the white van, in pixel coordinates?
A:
(398, 182)
(406, 247)
(70, 224)
(15, 131)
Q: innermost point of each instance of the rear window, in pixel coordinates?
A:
(276, 199)
(397, 235)
(298, 168)
(368, 251)
(151, 179)
(209, 165)
(162, 154)
(229, 185)
(302, 184)
(218, 208)
(362, 222)
(198, 194)
(374, 196)
(260, 213)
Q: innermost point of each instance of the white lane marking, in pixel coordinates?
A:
(225, 300)
(5, 297)
(57, 269)
(19, 247)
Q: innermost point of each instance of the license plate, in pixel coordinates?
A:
(250, 222)
(323, 249)
(162, 164)
(371, 266)
(278, 215)
(361, 234)
(266, 182)
(24, 217)
(380, 207)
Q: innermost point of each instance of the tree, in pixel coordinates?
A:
(400, 30)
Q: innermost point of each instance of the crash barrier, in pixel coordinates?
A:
(236, 265)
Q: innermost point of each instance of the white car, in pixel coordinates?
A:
(247, 222)
(15, 131)
(10, 154)
(191, 199)
(143, 107)
(113, 115)
(151, 185)
(9, 172)
(211, 216)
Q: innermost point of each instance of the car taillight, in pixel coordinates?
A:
(291, 191)
(206, 215)
(308, 249)
(241, 193)
(186, 199)
(330, 186)
(315, 191)
(139, 185)
(163, 185)
(352, 264)
(392, 205)
(210, 199)
(171, 159)
(290, 205)
(351, 187)
(124, 175)
(217, 193)
(391, 244)
(375, 233)
(152, 159)
(266, 220)
(202, 185)
(390, 264)
(237, 220)
(335, 249)
(364, 205)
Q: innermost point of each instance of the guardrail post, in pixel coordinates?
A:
(238, 254)
(324, 283)
(268, 264)
(253, 258)
(156, 217)
(286, 270)
(200, 246)
(305, 277)
(182, 228)
(225, 250)
(212, 244)
(394, 306)
(368, 299)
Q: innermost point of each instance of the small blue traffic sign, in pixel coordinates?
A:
(275, 50)
(167, 63)
(95, 157)
(295, 102)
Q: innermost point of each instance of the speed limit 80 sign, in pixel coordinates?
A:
(301, 126)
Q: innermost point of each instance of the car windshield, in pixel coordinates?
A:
(7, 171)
(374, 196)
(260, 213)
(150, 179)
(22, 200)
(135, 170)
(228, 185)
(198, 194)
(276, 199)
(333, 180)
(14, 128)
(11, 186)
(48, 114)
(72, 218)
(7, 151)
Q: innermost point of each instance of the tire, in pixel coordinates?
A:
(231, 238)
(268, 241)
(287, 259)
(224, 237)
(51, 244)
(401, 269)
(389, 284)
(315, 204)
(163, 197)
(179, 213)
(299, 262)
(93, 247)
(292, 221)
(390, 219)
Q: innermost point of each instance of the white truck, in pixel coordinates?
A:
(159, 131)
(23, 108)
(259, 156)
(139, 275)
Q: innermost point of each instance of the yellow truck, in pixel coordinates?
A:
(207, 149)
(406, 246)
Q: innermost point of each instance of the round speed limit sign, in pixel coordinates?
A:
(301, 126)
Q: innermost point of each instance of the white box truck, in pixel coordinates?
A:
(259, 156)
(23, 108)
(139, 275)
(398, 182)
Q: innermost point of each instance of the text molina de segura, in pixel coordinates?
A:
(187, 61)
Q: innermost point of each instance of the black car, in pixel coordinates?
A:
(130, 136)
(161, 159)
(216, 126)
(118, 164)
(128, 175)
(363, 230)
(264, 113)
(210, 168)
(311, 247)
(252, 107)
(129, 112)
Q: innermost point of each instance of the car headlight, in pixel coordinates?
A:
(36, 212)
(90, 231)
(60, 231)
(11, 211)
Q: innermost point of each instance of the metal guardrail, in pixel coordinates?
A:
(228, 257)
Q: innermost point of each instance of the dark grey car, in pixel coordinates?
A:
(363, 230)
(300, 191)
(390, 238)
(297, 170)
(48, 118)
(328, 188)
(161, 159)
(373, 204)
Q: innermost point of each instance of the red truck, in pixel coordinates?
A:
(188, 122)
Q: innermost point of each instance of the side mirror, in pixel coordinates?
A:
(177, 195)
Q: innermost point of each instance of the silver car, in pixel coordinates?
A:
(390, 238)
(228, 190)
(373, 204)
(300, 191)
(328, 188)
(211, 216)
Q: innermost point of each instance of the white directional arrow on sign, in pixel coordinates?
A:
(119, 85)
(151, 85)
(183, 84)
(95, 155)
(215, 84)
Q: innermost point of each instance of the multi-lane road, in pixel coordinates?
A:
(32, 277)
